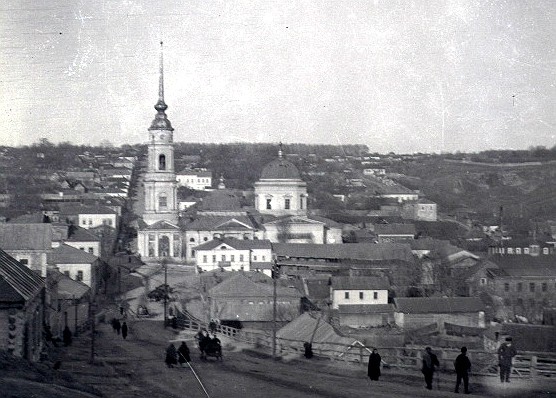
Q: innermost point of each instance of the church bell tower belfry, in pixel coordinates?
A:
(160, 179)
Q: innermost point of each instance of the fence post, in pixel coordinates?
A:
(533, 365)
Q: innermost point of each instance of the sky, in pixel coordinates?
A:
(397, 76)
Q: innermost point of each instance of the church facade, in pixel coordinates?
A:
(280, 213)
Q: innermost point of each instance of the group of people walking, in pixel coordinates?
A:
(177, 356)
(462, 365)
(117, 326)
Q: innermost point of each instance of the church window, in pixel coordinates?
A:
(205, 239)
(223, 247)
(162, 162)
(269, 204)
(346, 295)
(162, 201)
(192, 239)
(223, 257)
(301, 202)
(287, 204)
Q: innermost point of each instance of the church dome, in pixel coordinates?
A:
(280, 169)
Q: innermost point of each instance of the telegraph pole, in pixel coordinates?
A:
(274, 298)
(93, 312)
(165, 265)
(75, 303)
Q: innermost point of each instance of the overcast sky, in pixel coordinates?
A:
(402, 76)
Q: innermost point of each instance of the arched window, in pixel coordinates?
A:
(162, 162)
(192, 239)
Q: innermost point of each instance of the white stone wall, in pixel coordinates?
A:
(88, 221)
(92, 247)
(338, 297)
(278, 191)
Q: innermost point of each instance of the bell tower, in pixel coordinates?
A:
(160, 183)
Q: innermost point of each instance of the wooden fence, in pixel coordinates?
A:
(526, 364)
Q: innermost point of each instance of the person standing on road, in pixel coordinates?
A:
(506, 353)
(117, 326)
(171, 356)
(462, 364)
(66, 335)
(183, 354)
(124, 330)
(373, 370)
(430, 362)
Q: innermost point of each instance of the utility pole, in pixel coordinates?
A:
(165, 265)
(274, 298)
(75, 304)
(93, 307)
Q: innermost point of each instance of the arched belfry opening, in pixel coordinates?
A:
(162, 162)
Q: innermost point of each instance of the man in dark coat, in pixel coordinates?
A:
(117, 326)
(183, 354)
(506, 352)
(430, 362)
(374, 365)
(462, 365)
(124, 330)
(66, 335)
(171, 356)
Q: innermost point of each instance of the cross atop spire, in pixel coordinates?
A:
(161, 121)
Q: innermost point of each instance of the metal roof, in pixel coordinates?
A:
(346, 251)
(25, 282)
(26, 236)
(309, 327)
(65, 254)
(438, 305)
(359, 283)
(238, 244)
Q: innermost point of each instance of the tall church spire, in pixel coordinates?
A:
(161, 121)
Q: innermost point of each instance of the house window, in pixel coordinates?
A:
(82, 248)
(532, 287)
(544, 287)
(360, 295)
(269, 204)
(214, 258)
(205, 259)
(287, 204)
(517, 250)
(346, 295)
(232, 258)
(110, 221)
(90, 221)
(519, 287)
(205, 239)
(162, 162)
(545, 250)
(510, 250)
(91, 250)
(525, 250)
(263, 258)
(192, 239)
(223, 257)
(520, 301)
(506, 287)
(254, 258)
(301, 202)
(483, 281)
(241, 257)
(375, 295)
(67, 273)
(24, 261)
(84, 222)
(162, 201)
(79, 276)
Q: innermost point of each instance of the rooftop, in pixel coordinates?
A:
(17, 282)
(359, 283)
(438, 305)
(26, 237)
(346, 251)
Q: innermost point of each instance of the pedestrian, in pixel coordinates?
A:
(462, 364)
(308, 350)
(506, 353)
(430, 362)
(114, 324)
(66, 334)
(117, 326)
(171, 356)
(183, 354)
(124, 330)
(373, 370)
